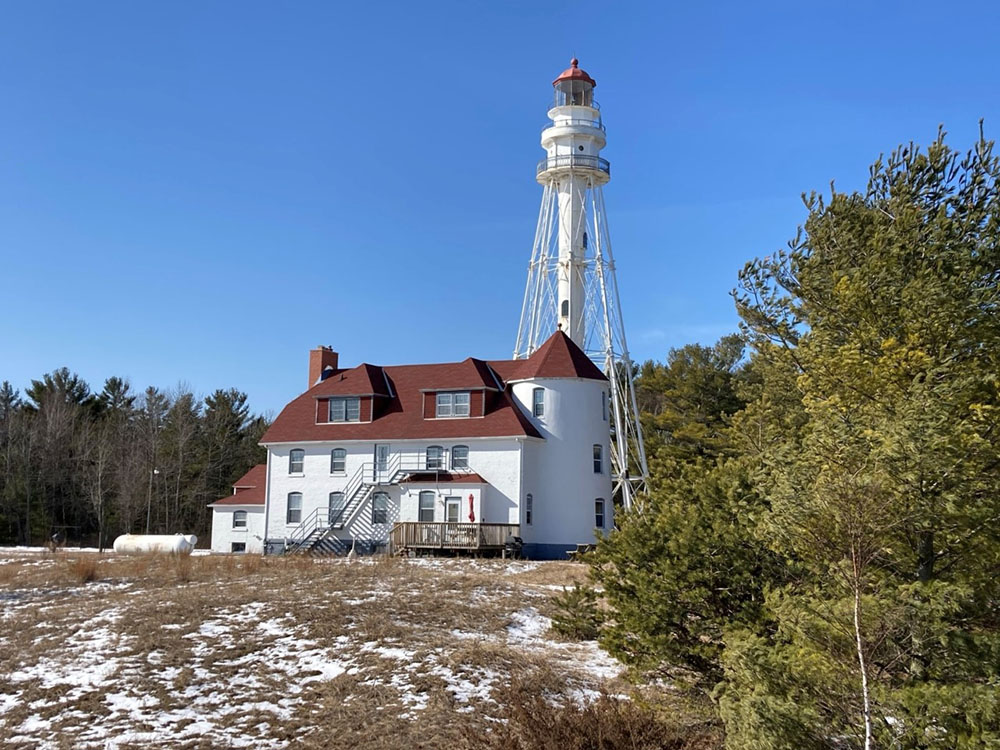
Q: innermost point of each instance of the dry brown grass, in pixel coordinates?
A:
(83, 569)
(205, 649)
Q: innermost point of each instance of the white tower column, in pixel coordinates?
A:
(572, 218)
(571, 278)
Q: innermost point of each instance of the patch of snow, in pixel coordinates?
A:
(527, 625)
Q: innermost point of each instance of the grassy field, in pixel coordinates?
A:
(232, 651)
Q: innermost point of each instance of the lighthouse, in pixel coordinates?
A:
(571, 276)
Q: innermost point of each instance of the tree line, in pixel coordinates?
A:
(818, 555)
(85, 466)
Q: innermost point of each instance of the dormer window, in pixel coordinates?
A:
(452, 404)
(345, 409)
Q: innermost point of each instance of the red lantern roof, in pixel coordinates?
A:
(574, 73)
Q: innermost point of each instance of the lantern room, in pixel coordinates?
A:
(574, 87)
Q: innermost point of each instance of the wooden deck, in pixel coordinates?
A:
(451, 536)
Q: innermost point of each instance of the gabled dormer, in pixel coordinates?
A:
(356, 395)
(465, 390)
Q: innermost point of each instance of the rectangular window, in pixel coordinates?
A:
(538, 402)
(239, 519)
(338, 461)
(293, 513)
(346, 409)
(528, 503)
(599, 513)
(444, 405)
(426, 511)
(460, 457)
(604, 405)
(296, 461)
(435, 457)
(598, 460)
(380, 508)
(452, 404)
(238, 547)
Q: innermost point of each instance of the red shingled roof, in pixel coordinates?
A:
(253, 478)
(363, 380)
(401, 417)
(433, 477)
(249, 488)
(558, 357)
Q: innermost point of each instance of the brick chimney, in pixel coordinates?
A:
(319, 359)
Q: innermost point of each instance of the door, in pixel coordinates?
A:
(452, 509)
(336, 507)
(381, 462)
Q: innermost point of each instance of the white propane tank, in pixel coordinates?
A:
(145, 544)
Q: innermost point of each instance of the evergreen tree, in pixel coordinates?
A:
(684, 562)
(882, 474)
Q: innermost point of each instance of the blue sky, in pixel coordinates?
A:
(202, 192)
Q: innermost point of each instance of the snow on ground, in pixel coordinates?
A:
(248, 674)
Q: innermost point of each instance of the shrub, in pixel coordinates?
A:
(534, 723)
(577, 615)
(84, 570)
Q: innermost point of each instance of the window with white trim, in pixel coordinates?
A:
(528, 508)
(425, 511)
(239, 519)
(538, 402)
(336, 507)
(345, 409)
(293, 511)
(598, 460)
(435, 457)
(338, 461)
(452, 404)
(380, 507)
(599, 513)
(460, 457)
(296, 461)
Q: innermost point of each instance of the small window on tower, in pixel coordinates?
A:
(579, 148)
(538, 402)
(565, 308)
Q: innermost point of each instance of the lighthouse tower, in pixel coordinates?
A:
(571, 278)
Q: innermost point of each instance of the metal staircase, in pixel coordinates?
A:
(316, 534)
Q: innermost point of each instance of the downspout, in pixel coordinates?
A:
(267, 500)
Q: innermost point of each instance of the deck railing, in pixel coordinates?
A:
(465, 536)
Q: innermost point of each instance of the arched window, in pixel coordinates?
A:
(239, 519)
(425, 514)
(460, 457)
(435, 457)
(599, 513)
(538, 402)
(293, 511)
(296, 461)
(528, 503)
(338, 461)
(598, 460)
(336, 508)
(380, 507)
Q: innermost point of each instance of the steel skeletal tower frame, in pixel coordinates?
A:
(571, 277)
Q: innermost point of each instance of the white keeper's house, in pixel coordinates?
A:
(449, 457)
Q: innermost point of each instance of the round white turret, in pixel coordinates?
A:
(564, 501)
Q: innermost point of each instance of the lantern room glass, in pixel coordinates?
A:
(574, 92)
